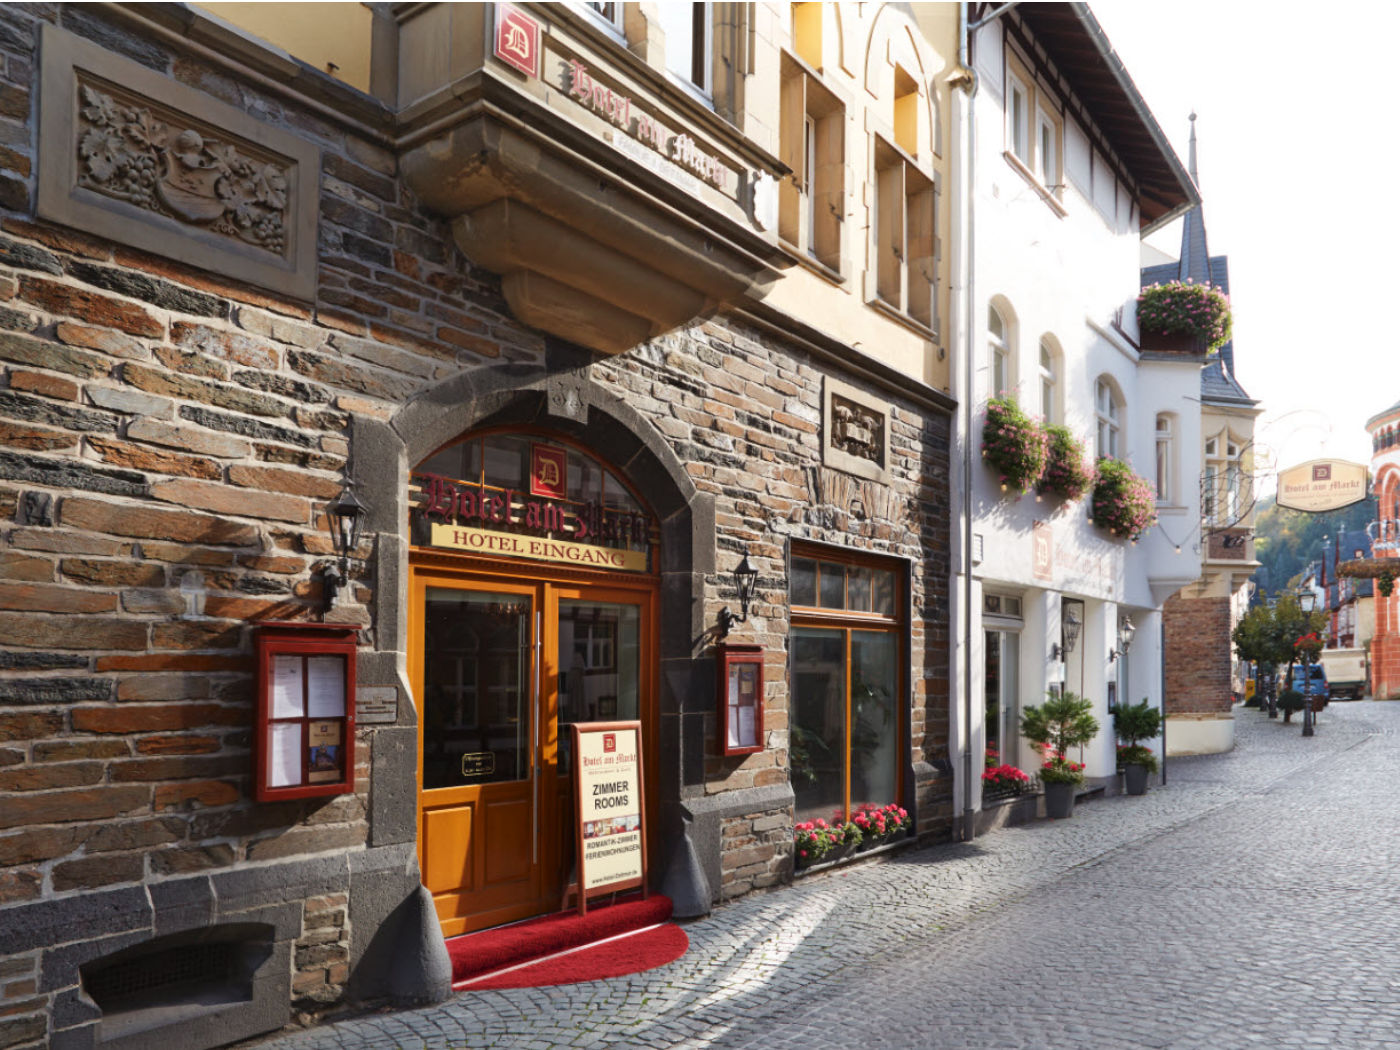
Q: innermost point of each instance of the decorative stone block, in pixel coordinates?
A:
(132, 155)
(855, 432)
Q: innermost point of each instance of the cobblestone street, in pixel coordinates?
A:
(1250, 902)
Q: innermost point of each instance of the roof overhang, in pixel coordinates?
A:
(1080, 49)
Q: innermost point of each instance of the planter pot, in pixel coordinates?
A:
(1173, 343)
(1059, 800)
(844, 852)
(1135, 774)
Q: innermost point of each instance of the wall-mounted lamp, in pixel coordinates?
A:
(344, 517)
(1070, 624)
(1126, 628)
(745, 576)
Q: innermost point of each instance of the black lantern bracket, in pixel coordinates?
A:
(344, 517)
(746, 576)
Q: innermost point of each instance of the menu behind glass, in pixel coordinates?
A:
(305, 733)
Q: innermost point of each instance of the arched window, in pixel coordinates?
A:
(1108, 407)
(1049, 380)
(999, 348)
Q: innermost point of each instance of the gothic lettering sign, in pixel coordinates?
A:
(517, 40)
(1043, 551)
(1322, 484)
(547, 471)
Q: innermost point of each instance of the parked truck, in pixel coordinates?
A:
(1347, 674)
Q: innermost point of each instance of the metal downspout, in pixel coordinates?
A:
(969, 823)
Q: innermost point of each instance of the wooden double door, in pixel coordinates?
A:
(500, 666)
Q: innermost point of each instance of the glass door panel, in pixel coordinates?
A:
(818, 747)
(476, 688)
(874, 719)
(599, 666)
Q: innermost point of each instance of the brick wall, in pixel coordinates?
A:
(168, 441)
(1197, 655)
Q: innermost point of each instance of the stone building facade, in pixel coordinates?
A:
(236, 286)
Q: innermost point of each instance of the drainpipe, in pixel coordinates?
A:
(969, 824)
(965, 29)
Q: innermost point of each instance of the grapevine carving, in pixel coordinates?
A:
(126, 152)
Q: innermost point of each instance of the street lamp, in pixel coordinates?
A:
(1307, 602)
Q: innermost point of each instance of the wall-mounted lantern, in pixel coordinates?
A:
(344, 517)
(1070, 624)
(745, 576)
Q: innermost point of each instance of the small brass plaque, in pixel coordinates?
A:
(479, 764)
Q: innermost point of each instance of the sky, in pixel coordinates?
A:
(1295, 176)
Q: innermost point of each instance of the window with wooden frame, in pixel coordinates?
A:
(905, 245)
(846, 664)
(812, 135)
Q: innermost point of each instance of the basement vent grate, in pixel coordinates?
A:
(189, 964)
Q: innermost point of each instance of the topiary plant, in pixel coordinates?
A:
(1062, 722)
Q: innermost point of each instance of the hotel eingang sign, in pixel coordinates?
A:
(539, 522)
(1321, 485)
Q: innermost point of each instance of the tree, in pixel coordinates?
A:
(1057, 725)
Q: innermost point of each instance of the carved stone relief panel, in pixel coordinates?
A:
(137, 157)
(855, 431)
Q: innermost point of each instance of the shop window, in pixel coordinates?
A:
(812, 133)
(687, 30)
(905, 263)
(847, 686)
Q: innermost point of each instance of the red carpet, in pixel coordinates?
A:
(508, 946)
(643, 949)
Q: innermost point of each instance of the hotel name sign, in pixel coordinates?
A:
(540, 524)
(1322, 484)
(519, 42)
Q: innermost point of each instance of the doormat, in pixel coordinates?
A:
(566, 947)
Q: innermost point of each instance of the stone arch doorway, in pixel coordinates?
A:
(589, 417)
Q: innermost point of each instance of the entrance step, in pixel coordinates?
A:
(474, 954)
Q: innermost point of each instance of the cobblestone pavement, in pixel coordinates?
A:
(1251, 902)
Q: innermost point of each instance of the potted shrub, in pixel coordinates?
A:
(1067, 474)
(1135, 723)
(1289, 700)
(1013, 443)
(1062, 722)
(1198, 315)
(1123, 502)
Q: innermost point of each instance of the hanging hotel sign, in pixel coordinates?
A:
(609, 807)
(1322, 484)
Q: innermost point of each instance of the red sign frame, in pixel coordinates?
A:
(549, 471)
(517, 42)
(291, 646)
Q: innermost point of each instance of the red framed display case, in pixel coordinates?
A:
(740, 682)
(305, 736)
